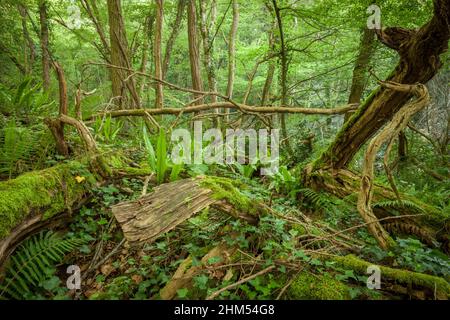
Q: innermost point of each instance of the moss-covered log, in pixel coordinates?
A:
(435, 287)
(34, 197)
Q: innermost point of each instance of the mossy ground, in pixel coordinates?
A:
(308, 286)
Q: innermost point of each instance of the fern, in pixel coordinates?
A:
(318, 200)
(398, 204)
(16, 144)
(28, 266)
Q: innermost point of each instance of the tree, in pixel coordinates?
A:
(232, 50)
(173, 35)
(159, 102)
(366, 48)
(194, 55)
(120, 56)
(44, 44)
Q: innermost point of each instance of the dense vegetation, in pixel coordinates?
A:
(92, 91)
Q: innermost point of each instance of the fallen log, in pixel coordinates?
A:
(39, 198)
(32, 198)
(170, 204)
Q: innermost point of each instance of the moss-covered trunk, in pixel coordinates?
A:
(419, 61)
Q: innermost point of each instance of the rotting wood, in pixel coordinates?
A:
(166, 207)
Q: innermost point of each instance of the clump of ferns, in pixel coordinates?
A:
(29, 266)
(318, 201)
(398, 205)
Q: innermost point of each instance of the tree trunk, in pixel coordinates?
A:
(44, 44)
(119, 56)
(359, 72)
(30, 44)
(232, 51)
(159, 101)
(148, 31)
(283, 75)
(173, 35)
(419, 52)
(270, 71)
(194, 56)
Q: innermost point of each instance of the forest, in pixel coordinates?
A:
(224, 150)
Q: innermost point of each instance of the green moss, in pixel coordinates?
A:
(404, 277)
(313, 287)
(228, 190)
(48, 191)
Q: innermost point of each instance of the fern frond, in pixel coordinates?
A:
(318, 200)
(398, 204)
(28, 266)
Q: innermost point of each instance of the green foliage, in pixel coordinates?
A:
(30, 264)
(107, 129)
(161, 157)
(16, 147)
(413, 255)
(318, 200)
(396, 204)
(284, 181)
(159, 161)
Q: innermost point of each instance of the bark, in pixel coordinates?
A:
(361, 66)
(208, 45)
(148, 31)
(270, 72)
(283, 74)
(159, 101)
(194, 56)
(388, 133)
(232, 51)
(419, 52)
(120, 56)
(173, 35)
(226, 105)
(44, 44)
(30, 43)
(56, 126)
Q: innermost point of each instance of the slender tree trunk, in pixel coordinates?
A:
(194, 56)
(91, 9)
(148, 31)
(120, 56)
(208, 49)
(173, 35)
(283, 75)
(232, 51)
(44, 44)
(360, 70)
(270, 71)
(159, 101)
(30, 44)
